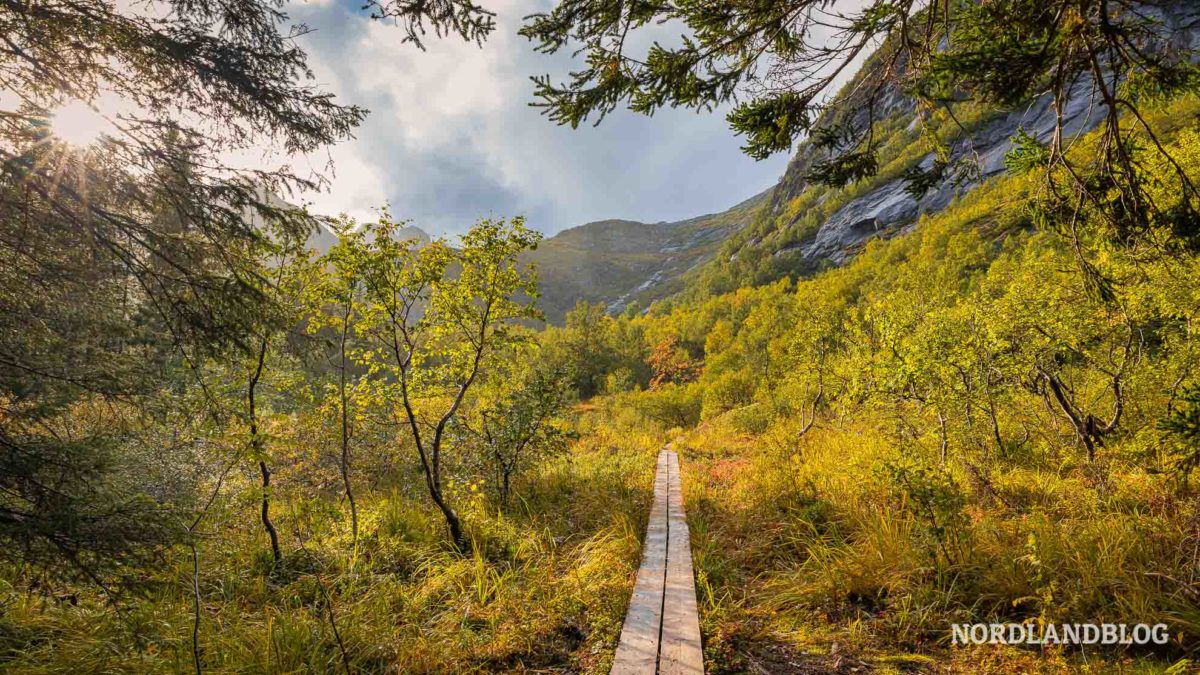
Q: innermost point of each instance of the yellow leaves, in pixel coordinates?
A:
(718, 338)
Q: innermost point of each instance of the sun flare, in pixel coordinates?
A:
(78, 124)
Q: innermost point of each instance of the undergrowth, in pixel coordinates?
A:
(545, 588)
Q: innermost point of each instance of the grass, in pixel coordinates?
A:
(545, 589)
(804, 563)
(807, 559)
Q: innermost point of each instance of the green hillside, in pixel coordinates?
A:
(625, 264)
(950, 427)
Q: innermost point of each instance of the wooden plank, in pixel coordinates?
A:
(661, 633)
(637, 651)
(680, 652)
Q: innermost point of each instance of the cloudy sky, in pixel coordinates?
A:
(451, 137)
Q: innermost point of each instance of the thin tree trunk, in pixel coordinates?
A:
(196, 610)
(337, 634)
(945, 439)
(812, 413)
(330, 612)
(1068, 409)
(256, 445)
(996, 435)
(453, 522)
(432, 479)
(266, 511)
(345, 461)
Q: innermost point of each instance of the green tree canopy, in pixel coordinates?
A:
(125, 264)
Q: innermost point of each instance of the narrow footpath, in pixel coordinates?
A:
(661, 633)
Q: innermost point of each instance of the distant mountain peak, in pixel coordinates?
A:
(620, 262)
(324, 238)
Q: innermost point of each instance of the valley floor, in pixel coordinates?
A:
(802, 563)
(545, 589)
(804, 567)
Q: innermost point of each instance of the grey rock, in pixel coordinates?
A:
(889, 209)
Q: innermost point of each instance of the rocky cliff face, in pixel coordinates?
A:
(794, 228)
(627, 264)
(885, 208)
(888, 207)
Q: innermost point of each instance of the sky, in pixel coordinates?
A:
(451, 137)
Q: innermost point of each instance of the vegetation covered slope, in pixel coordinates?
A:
(809, 224)
(802, 225)
(953, 427)
(626, 265)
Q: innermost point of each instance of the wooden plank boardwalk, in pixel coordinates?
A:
(662, 628)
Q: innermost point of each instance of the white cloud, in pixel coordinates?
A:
(356, 187)
(451, 136)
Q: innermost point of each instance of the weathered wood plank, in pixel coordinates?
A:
(661, 633)
(680, 652)
(637, 651)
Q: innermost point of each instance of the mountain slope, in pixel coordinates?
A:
(324, 238)
(619, 263)
(625, 263)
(797, 227)
(808, 226)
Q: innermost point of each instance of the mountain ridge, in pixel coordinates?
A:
(628, 264)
